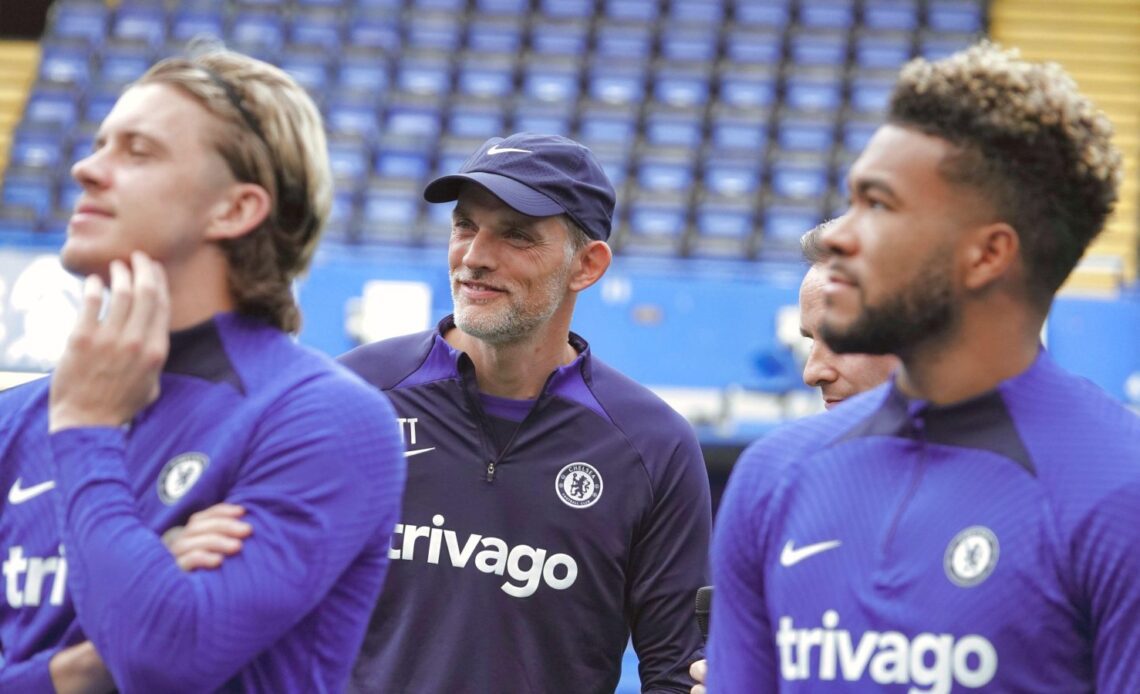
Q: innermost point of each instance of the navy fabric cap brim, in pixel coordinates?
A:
(520, 197)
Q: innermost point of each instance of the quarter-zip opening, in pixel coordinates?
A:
(918, 435)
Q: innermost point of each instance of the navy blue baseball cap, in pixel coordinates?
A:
(540, 176)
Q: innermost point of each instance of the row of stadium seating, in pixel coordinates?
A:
(727, 126)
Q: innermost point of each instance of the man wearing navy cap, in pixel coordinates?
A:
(553, 506)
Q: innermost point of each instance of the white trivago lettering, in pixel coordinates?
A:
(932, 663)
(34, 572)
(526, 565)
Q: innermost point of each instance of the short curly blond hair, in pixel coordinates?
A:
(1038, 149)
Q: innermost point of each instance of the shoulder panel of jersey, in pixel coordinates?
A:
(388, 363)
(651, 426)
(1084, 445)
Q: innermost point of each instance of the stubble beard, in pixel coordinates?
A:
(516, 319)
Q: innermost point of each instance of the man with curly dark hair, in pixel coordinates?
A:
(973, 522)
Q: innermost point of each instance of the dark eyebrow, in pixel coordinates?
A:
(863, 186)
(804, 333)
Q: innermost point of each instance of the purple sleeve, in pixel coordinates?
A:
(31, 676)
(668, 564)
(324, 475)
(1107, 562)
(741, 650)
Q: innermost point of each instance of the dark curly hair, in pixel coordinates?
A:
(1025, 137)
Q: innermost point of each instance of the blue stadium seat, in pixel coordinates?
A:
(560, 37)
(616, 84)
(899, 15)
(332, 4)
(827, 14)
(801, 133)
(189, 22)
(34, 148)
(85, 20)
(674, 127)
(751, 88)
(49, 107)
(413, 120)
(364, 70)
(140, 22)
(82, 145)
(65, 62)
(311, 68)
(955, 15)
(551, 80)
(32, 189)
(479, 119)
(354, 113)
(772, 13)
(615, 162)
(743, 130)
(379, 5)
(800, 178)
(883, 50)
(637, 10)
(783, 227)
(728, 175)
(263, 31)
(813, 90)
(752, 46)
(320, 27)
(495, 36)
(856, 134)
(681, 85)
(390, 211)
(380, 30)
(398, 158)
(870, 92)
(578, 9)
(121, 62)
(656, 224)
(449, 6)
(935, 46)
(504, 8)
(539, 116)
(665, 172)
(434, 32)
(734, 219)
(608, 125)
(424, 74)
(627, 42)
(697, 11)
(342, 220)
(690, 44)
(98, 103)
(819, 48)
(450, 157)
(489, 76)
(349, 158)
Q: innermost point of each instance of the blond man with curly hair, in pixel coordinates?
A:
(973, 522)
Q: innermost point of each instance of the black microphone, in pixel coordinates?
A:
(704, 602)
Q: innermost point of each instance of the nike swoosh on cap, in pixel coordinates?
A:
(495, 149)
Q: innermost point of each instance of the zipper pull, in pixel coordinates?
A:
(491, 471)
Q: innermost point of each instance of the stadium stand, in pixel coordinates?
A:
(676, 95)
(1098, 42)
(797, 85)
